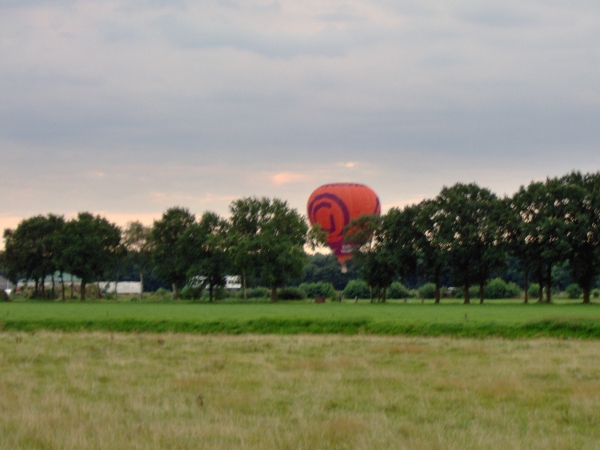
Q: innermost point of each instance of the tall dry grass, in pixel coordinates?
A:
(124, 391)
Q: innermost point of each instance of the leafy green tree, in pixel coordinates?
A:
(30, 249)
(52, 248)
(172, 264)
(326, 268)
(492, 249)
(374, 251)
(206, 244)
(356, 289)
(466, 216)
(60, 244)
(401, 235)
(137, 240)
(13, 256)
(558, 214)
(277, 248)
(523, 225)
(93, 247)
(581, 214)
(245, 222)
(432, 247)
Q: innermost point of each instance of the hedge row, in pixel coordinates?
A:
(580, 329)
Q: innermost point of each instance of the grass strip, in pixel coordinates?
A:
(556, 328)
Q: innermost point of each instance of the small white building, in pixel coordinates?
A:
(122, 287)
(232, 282)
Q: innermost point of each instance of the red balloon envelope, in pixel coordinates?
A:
(334, 205)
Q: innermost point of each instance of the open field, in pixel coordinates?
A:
(494, 318)
(155, 391)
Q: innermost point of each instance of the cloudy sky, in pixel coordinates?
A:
(128, 107)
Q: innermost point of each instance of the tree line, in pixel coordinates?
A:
(467, 233)
(465, 236)
(263, 238)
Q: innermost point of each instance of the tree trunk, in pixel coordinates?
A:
(586, 295)
(44, 288)
(540, 279)
(437, 289)
(82, 287)
(526, 286)
(244, 284)
(99, 291)
(142, 285)
(72, 288)
(210, 293)
(175, 291)
(467, 300)
(62, 286)
(36, 293)
(481, 293)
(371, 293)
(273, 294)
(53, 293)
(383, 296)
(549, 284)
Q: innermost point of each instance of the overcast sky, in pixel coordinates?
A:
(128, 107)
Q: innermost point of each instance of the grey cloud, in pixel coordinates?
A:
(343, 14)
(330, 42)
(454, 90)
(115, 32)
(142, 5)
(494, 15)
(35, 3)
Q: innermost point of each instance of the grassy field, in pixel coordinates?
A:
(501, 311)
(179, 391)
(493, 318)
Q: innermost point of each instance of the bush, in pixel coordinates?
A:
(496, 288)
(357, 288)
(397, 290)
(191, 293)
(533, 290)
(427, 290)
(513, 290)
(473, 292)
(290, 293)
(596, 293)
(258, 292)
(573, 291)
(219, 293)
(320, 289)
(163, 293)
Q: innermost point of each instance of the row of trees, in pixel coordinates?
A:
(467, 233)
(43, 245)
(263, 239)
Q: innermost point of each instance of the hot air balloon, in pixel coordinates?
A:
(334, 205)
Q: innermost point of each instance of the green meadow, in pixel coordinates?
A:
(493, 318)
(299, 375)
